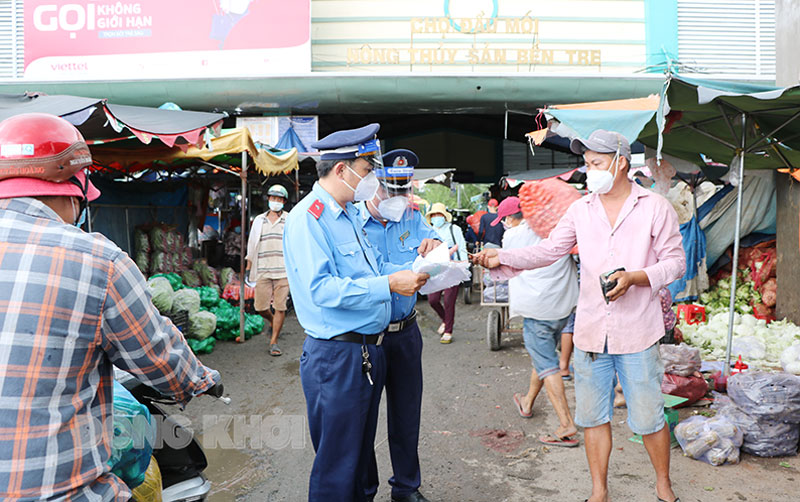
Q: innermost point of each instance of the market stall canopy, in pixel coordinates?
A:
(267, 161)
(100, 121)
(697, 120)
(321, 93)
(626, 116)
(518, 177)
(423, 175)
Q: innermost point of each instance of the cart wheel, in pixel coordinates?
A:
(468, 294)
(493, 330)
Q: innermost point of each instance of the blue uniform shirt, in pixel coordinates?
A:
(398, 243)
(337, 278)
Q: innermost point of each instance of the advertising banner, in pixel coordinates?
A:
(155, 39)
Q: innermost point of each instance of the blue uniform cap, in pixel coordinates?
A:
(398, 163)
(349, 143)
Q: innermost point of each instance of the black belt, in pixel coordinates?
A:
(354, 337)
(398, 326)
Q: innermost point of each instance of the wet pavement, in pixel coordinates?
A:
(473, 446)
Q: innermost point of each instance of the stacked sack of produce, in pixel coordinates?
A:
(231, 286)
(681, 373)
(159, 248)
(766, 407)
(544, 202)
(756, 286)
(715, 441)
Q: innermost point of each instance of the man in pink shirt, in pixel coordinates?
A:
(618, 225)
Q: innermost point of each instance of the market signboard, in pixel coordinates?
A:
(575, 36)
(156, 39)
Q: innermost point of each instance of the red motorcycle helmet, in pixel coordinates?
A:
(43, 155)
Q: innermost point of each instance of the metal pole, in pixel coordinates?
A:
(243, 247)
(297, 185)
(128, 231)
(736, 236)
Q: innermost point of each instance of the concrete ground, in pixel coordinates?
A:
(473, 447)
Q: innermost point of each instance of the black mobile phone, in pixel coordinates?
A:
(605, 285)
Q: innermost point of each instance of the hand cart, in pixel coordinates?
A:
(498, 319)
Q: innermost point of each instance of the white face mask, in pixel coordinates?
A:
(393, 208)
(275, 206)
(601, 182)
(79, 219)
(366, 188)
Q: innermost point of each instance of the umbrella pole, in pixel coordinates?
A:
(736, 237)
(243, 246)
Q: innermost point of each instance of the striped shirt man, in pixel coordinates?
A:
(72, 305)
(270, 249)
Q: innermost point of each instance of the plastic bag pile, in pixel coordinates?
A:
(766, 407)
(715, 441)
(494, 291)
(680, 364)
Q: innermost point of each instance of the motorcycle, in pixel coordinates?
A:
(182, 478)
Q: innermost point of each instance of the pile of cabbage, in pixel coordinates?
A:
(717, 299)
(760, 344)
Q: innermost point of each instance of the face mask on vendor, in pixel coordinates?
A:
(601, 181)
(80, 214)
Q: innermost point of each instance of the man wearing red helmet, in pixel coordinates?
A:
(73, 306)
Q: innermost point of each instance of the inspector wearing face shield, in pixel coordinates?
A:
(399, 233)
(343, 291)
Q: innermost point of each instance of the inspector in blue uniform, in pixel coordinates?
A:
(397, 231)
(342, 297)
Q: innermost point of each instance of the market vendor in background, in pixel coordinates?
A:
(266, 266)
(545, 298)
(444, 302)
(232, 242)
(490, 236)
(618, 225)
(399, 233)
(74, 307)
(342, 291)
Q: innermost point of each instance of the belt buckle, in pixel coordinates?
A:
(380, 340)
(394, 327)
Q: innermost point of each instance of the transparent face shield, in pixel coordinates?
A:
(395, 196)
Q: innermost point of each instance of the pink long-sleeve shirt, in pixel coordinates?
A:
(645, 237)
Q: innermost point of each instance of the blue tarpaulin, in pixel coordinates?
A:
(290, 140)
(694, 245)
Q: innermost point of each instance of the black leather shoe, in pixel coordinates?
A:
(414, 497)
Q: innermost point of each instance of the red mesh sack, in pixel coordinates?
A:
(544, 202)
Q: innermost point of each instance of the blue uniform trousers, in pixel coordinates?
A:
(342, 416)
(403, 351)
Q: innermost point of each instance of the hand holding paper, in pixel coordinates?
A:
(443, 272)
